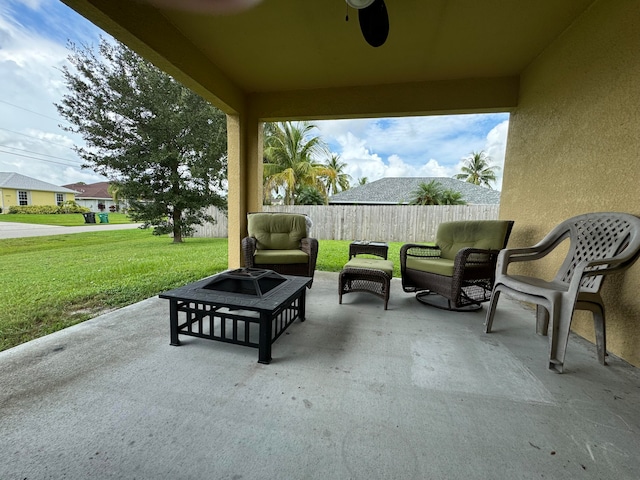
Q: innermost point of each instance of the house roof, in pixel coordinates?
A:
(99, 190)
(399, 190)
(22, 182)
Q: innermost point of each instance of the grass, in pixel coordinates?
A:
(50, 283)
(62, 220)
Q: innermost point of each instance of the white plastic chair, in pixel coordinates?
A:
(600, 244)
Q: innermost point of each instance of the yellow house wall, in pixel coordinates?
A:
(42, 198)
(36, 197)
(573, 147)
(9, 198)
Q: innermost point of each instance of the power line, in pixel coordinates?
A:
(40, 159)
(37, 153)
(36, 138)
(31, 111)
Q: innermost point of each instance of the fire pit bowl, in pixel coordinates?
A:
(246, 281)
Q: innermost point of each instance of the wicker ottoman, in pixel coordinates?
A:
(366, 275)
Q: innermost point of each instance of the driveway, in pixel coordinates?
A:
(19, 230)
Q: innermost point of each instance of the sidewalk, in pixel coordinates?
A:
(19, 230)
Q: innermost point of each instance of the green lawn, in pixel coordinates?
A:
(50, 283)
(61, 220)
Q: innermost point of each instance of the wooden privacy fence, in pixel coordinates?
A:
(391, 223)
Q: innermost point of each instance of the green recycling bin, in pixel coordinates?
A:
(104, 217)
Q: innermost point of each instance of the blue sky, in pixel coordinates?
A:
(33, 40)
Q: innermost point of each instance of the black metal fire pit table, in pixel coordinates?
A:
(230, 306)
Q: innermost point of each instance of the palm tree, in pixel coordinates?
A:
(478, 170)
(363, 181)
(308, 195)
(114, 190)
(289, 151)
(335, 180)
(427, 193)
(451, 197)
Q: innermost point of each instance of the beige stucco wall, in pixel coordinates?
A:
(573, 147)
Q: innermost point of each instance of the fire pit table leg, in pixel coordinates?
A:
(264, 342)
(173, 321)
(302, 312)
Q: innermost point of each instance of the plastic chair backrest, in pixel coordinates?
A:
(597, 236)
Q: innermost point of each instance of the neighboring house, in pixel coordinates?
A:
(95, 196)
(399, 191)
(20, 190)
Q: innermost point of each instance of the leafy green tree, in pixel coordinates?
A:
(163, 145)
(363, 181)
(427, 193)
(477, 169)
(290, 151)
(334, 177)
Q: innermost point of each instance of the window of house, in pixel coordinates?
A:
(59, 199)
(23, 197)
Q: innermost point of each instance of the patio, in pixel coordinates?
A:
(354, 392)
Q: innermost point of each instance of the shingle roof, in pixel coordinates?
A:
(22, 182)
(399, 190)
(92, 190)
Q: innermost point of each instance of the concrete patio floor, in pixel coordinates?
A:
(355, 392)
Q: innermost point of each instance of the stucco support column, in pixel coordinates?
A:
(244, 172)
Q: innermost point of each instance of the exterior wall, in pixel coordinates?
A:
(47, 198)
(9, 198)
(573, 148)
(36, 197)
(93, 203)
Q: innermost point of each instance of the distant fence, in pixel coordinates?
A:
(391, 223)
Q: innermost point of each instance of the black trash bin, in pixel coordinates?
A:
(89, 217)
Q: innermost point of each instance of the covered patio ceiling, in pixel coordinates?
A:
(458, 48)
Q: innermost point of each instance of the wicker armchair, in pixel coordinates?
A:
(279, 242)
(458, 272)
(600, 243)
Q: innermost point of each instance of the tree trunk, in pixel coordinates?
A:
(177, 231)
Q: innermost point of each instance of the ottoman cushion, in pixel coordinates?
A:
(372, 263)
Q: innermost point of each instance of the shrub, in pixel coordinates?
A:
(35, 209)
(67, 207)
(72, 207)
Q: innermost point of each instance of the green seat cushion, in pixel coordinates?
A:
(439, 266)
(277, 231)
(265, 257)
(372, 263)
(486, 234)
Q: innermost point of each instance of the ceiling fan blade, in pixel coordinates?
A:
(374, 23)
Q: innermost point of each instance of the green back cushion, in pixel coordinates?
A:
(277, 231)
(487, 234)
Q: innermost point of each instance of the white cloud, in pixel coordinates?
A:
(31, 140)
(414, 146)
(496, 147)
